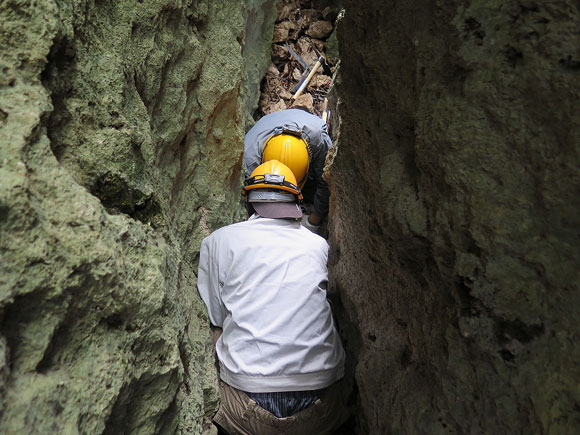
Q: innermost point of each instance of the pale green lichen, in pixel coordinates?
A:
(110, 175)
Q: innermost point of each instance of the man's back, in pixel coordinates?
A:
(314, 129)
(264, 282)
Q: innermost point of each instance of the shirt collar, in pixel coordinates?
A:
(281, 221)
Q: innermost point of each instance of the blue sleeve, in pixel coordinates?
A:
(320, 144)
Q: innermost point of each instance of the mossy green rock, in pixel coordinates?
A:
(121, 138)
(455, 214)
(260, 18)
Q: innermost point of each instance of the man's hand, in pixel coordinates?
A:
(312, 222)
(315, 219)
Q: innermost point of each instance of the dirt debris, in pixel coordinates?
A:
(320, 29)
(304, 26)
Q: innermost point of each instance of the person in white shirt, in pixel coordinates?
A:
(264, 284)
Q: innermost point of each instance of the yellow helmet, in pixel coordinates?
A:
(273, 176)
(290, 149)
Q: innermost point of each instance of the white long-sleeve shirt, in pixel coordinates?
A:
(264, 282)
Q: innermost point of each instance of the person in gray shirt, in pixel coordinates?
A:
(314, 131)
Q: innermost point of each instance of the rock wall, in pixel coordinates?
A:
(454, 223)
(121, 134)
(260, 18)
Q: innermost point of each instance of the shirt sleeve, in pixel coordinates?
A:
(321, 143)
(255, 139)
(208, 283)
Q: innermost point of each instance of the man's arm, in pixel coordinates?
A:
(208, 283)
(322, 194)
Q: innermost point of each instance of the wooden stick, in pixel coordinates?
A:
(324, 111)
(301, 89)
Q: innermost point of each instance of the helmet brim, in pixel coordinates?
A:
(277, 210)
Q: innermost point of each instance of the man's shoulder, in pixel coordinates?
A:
(291, 115)
(266, 225)
(303, 117)
(227, 231)
(314, 240)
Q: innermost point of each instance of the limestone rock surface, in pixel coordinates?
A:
(454, 220)
(260, 16)
(121, 139)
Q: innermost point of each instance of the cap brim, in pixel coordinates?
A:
(278, 210)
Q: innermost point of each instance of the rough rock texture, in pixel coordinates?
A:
(260, 18)
(285, 73)
(121, 134)
(454, 222)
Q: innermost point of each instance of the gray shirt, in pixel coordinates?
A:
(314, 131)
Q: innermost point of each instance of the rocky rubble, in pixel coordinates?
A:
(305, 27)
